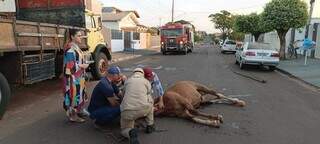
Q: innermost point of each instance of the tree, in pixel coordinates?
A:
(239, 36)
(223, 21)
(153, 30)
(282, 15)
(252, 24)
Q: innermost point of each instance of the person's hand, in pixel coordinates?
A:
(159, 105)
(84, 66)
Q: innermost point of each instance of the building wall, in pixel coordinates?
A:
(145, 40)
(117, 45)
(111, 25)
(317, 51)
(316, 8)
(106, 32)
(155, 41)
(127, 21)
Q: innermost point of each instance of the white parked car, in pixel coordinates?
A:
(257, 54)
(228, 46)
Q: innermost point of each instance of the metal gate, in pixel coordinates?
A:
(127, 40)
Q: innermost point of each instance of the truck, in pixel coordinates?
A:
(33, 35)
(177, 37)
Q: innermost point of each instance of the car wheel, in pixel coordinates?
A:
(4, 94)
(236, 62)
(241, 65)
(272, 68)
(222, 51)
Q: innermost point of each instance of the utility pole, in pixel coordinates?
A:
(308, 29)
(310, 16)
(160, 21)
(172, 12)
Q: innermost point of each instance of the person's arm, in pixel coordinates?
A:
(158, 91)
(113, 101)
(70, 62)
(108, 92)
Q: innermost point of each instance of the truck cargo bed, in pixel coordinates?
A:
(17, 35)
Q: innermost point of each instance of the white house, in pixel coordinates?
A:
(125, 28)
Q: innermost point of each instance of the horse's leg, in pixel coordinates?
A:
(214, 117)
(213, 96)
(201, 120)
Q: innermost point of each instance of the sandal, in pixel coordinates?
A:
(76, 119)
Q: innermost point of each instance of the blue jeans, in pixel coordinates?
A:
(105, 115)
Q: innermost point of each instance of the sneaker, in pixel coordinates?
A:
(133, 137)
(150, 129)
(101, 127)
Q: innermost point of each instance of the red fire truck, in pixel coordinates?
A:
(177, 37)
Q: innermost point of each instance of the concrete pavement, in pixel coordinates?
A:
(126, 55)
(309, 73)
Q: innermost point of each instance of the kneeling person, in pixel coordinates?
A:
(137, 103)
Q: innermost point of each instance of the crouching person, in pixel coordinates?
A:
(104, 105)
(137, 103)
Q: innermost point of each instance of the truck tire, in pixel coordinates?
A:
(4, 94)
(164, 53)
(185, 52)
(100, 66)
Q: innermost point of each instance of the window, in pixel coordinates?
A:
(116, 34)
(88, 22)
(230, 42)
(136, 36)
(171, 32)
(265, 46)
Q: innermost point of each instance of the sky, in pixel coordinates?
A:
(158, 12)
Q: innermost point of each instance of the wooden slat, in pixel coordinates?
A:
(39, 35)
(6, 36)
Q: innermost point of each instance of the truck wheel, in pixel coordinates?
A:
(100, 65)
(241, 65)
(164, 52)
(4, 94)
(185, 52)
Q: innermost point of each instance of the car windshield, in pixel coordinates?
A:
(264, 46)
(171, 32)
(230, 42)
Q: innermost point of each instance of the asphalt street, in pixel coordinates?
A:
(280, 111)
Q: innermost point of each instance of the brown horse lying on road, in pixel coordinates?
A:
(184, 97)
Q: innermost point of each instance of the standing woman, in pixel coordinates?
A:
(74, 77)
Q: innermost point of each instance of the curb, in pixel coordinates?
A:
(297, 78)
(124, 58)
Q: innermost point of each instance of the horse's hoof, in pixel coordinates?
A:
(240, 103)
(216, 123)
(220, 118)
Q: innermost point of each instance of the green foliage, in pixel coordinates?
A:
(281, 15)
(252, 24)
(153, 30)
(223, 21)
(239, 36)
(197, 38)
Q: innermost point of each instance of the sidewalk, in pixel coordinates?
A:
(309, 73)
(126, 55)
